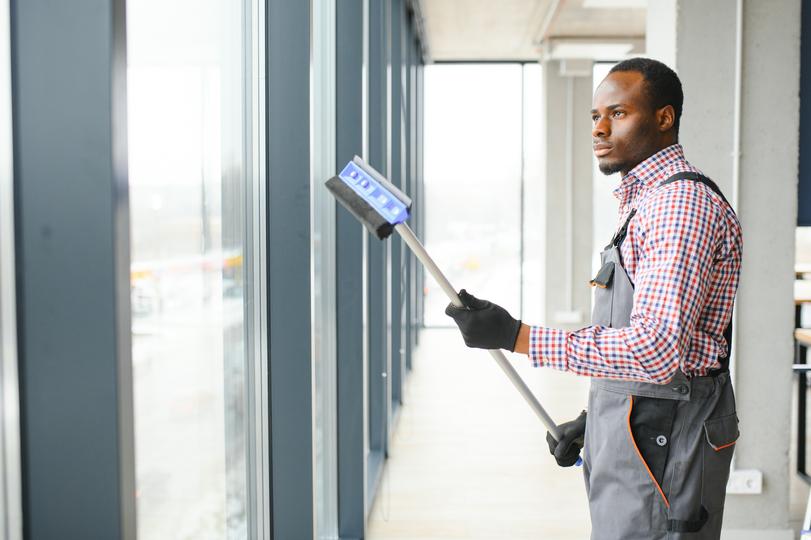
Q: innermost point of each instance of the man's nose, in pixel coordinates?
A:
(601, 129)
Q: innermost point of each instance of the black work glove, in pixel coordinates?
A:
(567, 449)
(484, 325)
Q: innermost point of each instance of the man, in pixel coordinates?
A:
(658, 437)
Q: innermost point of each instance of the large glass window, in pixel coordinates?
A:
(192, 172)
(473, 180)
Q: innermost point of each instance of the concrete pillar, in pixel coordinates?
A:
(567, 93)
(704, 55)
(660, 38)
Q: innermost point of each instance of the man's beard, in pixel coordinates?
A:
(610, 168)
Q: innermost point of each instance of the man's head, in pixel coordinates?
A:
(635, 113)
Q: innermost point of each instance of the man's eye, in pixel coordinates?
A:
(617, 114)
(594, 118)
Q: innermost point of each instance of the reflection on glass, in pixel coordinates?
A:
(188, 175)
(473, 180)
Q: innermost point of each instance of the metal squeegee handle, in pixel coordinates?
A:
(419, 250)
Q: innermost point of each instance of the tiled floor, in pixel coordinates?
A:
(469, 458)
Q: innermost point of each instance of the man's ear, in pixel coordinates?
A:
(665, 118)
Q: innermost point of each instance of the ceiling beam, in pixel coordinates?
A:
(546, 26)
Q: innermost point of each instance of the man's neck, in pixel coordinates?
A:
(653, 152)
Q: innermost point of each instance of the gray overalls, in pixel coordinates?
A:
(656, 457)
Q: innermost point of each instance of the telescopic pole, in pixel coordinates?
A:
(419, 250)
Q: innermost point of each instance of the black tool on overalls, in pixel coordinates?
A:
(383, 208)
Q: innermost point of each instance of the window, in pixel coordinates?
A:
(193, 172)
(473, 177)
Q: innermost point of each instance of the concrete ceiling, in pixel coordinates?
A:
(465, 30)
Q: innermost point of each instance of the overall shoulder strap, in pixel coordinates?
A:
(618, 238)
(689, 175)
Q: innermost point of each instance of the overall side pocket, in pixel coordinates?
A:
(720, 435)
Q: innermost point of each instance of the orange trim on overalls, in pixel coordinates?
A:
(638, 453)
(722, 447)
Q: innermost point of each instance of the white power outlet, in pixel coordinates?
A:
(745, 482)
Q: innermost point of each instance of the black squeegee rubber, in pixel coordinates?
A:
(362, 210)
(372, 199)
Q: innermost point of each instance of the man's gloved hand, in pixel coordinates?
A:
(484, 325)
(567, 449)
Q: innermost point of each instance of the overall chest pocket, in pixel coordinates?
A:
(603, 294)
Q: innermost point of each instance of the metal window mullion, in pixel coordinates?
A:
(258, 481)
(403, 270)
(76, 197)
(420, 177)
(122, 268)
(290, 373)
(10, 464)
(349, 277)
(365, 258)
(322, 215)
(389, 247)
(394, 23)
(376, 251)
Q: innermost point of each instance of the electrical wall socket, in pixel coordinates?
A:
(745, 482)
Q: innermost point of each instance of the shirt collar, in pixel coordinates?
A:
(650, 169)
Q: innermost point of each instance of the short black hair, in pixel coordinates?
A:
(663, 85)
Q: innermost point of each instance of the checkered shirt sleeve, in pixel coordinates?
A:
(687, 258)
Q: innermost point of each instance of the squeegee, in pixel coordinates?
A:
(383, 208)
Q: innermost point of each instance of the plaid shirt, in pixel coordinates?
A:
(683, 255)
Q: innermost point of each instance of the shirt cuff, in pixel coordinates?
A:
(547, 347)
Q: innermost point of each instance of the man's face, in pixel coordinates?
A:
(625, 128)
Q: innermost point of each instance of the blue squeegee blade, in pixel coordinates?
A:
(374, 193)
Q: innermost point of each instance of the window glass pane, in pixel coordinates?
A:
(473, 180)
(188, 173)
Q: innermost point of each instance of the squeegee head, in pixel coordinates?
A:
(372, 199)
